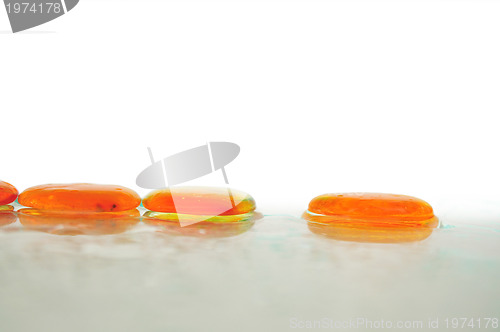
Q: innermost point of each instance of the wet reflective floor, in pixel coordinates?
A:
(268, 274)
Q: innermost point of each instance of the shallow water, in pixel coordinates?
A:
(271, 277)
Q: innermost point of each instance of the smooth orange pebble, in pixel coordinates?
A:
(208, 201)
(6, 208)
(373, 209)
(83, 197)
(8, 193)
(368, 217)
(78, 223)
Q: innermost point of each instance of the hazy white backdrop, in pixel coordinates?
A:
(322, 96)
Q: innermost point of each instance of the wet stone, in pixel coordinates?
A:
(80, 197)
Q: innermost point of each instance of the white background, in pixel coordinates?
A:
(322, 96)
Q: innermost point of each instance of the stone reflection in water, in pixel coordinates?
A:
(7, 216)
(212, 227)
(363, 233)
(78, 223)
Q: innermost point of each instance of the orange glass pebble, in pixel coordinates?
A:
(8, 193)
(83, 197)
(199, 201)
(386, 209)
(6, 208)
(368, 217)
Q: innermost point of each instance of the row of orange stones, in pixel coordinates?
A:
(73, 209)
(202, 211)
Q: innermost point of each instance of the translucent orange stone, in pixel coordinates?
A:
(200, 201)
(80, 197)
(372, 208)
(368, 217)
(78, 223)
(6, 208)
(8, 193)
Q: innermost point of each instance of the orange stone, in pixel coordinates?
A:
(8, 193)
(6, 208)
(372, 210)
(367, 217)
(80, 197)
(200, 201)
(78, 223)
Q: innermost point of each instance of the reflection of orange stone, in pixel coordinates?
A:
(78, 223)
(8, 193)
(174, 217)
(199, 201)
(7, 217)
(218, 226)
(367, 217)
(80, 197)
(370, 234)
